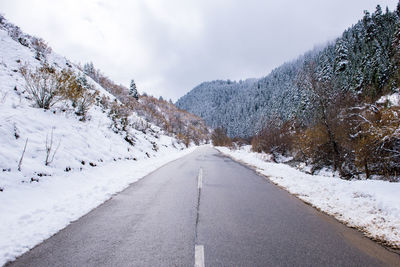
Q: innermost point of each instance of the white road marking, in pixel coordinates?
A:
(200, 179)
(199, 256)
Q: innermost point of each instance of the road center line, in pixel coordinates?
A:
(199, 186)
(200, 179)
(199, 256)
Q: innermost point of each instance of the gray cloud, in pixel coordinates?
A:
(169, 47)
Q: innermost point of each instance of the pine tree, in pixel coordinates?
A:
(398, 9)
(133, 90)
(88, 69)
(341, 58)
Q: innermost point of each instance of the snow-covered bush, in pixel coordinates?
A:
(85, 97)
(45, 85)
(41, 48)
(119, 114)
(376, 139)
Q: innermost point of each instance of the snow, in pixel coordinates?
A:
(91, 164)
(392, 99)
(371, 206)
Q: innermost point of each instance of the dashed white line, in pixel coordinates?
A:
(200, 179)
(199, 256)
(199, 249)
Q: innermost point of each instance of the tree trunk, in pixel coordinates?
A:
(366, 168)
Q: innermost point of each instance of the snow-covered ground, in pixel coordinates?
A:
(371, 206)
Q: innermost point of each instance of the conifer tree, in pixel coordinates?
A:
(88, 69)
(398, 9)
(133, 90)
(341, 59)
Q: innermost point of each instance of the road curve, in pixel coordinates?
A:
(207, 207)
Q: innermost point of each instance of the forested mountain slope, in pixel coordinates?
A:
(363, 61)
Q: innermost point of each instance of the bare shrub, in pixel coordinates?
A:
(141, 125)
(50, 152)
(119, 114)
(14, 31)
(41, 48)
(313, 144)
(220, 138)
(274, 139)
(80, 92)
(184, 139)
(85, 102)
(376, 139)
(85, 97)
(104, 102)
(45, 85)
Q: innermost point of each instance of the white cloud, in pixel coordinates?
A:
(168, 47)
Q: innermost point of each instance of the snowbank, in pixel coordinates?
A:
(368, 205)
(392, 99)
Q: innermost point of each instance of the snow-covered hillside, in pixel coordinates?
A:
(76, 145)
(55, 166)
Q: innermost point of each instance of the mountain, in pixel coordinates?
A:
(363, 61)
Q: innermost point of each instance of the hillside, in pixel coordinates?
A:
(107, 127)
(363, 61)
(69, 142)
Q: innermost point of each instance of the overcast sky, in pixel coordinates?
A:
(171, 46)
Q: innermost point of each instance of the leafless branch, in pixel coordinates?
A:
(49, 147)
(22, 156)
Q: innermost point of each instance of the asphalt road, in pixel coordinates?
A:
(206, 207)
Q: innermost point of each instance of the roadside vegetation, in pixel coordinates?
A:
(182, 124)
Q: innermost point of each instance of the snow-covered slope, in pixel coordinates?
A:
(88, 160)
(81, 144)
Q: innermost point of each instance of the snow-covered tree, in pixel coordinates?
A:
(133, 90)
(341, 59)
(89, 69)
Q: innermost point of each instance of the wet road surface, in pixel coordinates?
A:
(208, 208)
